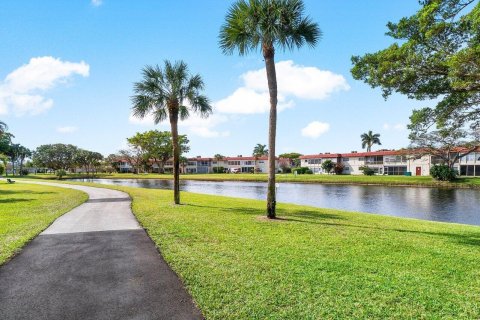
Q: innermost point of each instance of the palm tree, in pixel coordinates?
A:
(218, 157)
(259, 150)
(369, 139)
(268, 24)
(3, 128)
(171, 92)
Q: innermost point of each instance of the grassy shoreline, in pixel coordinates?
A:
(27, 209)
(313, 263)
(464, 182)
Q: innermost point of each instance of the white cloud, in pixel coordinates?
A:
(315, 129)
(203, 127)
(67, 129)
(97, 3)
(396, 127)
(21, 89)
(248, 101)
(293, 81)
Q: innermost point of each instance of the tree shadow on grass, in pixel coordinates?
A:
(284, 214)
(6, 192)
(333, 220)
(14, 200)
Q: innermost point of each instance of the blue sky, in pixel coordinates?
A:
(67, 69)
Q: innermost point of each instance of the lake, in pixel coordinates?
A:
(436, 204)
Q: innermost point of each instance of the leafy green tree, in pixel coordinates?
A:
(158, 145)
(3, 128)
(369, 139)
(268, 24)
(260, 150)
(435, 56)
(55, 156)
(88, 160)
(22, 154)
(170, 93)
(183, 163)
(294, 158)
(218, 157)
(328, 166)
(4, 161)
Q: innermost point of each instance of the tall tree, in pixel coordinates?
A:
(436, 56)
(369, 139)
(3, 128)
(23, 153)
(268, 24)
(171, 92)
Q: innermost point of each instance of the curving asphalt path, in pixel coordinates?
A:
(94, 262)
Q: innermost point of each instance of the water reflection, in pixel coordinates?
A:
(450, 205)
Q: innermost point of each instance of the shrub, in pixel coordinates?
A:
(442, 172)
(301, 170)
(339, 167)
(367, 170)
(24, 172)
(218, 170)
(308, 171)
(287, 170)
(60, 173)
(2, 169)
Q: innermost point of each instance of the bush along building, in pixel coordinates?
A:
(391, 162)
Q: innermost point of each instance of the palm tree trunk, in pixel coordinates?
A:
(269, 55)
(176, 156)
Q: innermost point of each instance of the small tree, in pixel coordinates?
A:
(328, 165)
(218, 157)
(339, 167)
(260, 150)
(367, 170)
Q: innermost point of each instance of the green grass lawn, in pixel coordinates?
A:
(313, 263)
(318, 178)
(26, 210)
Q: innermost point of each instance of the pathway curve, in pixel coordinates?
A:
(94, 262)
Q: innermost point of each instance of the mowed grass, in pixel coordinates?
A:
(465, 182)
(313, 263)
(27, 209)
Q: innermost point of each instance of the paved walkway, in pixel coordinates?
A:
(94, 262)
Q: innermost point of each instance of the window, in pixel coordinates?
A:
(395, 171)
(345, 159)
(249, 163)
(361, 159)
(203, 163)
(469, 170)
(233, 163)
(191, 163)
(374, 160)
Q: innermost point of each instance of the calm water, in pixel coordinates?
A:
(449, 205)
